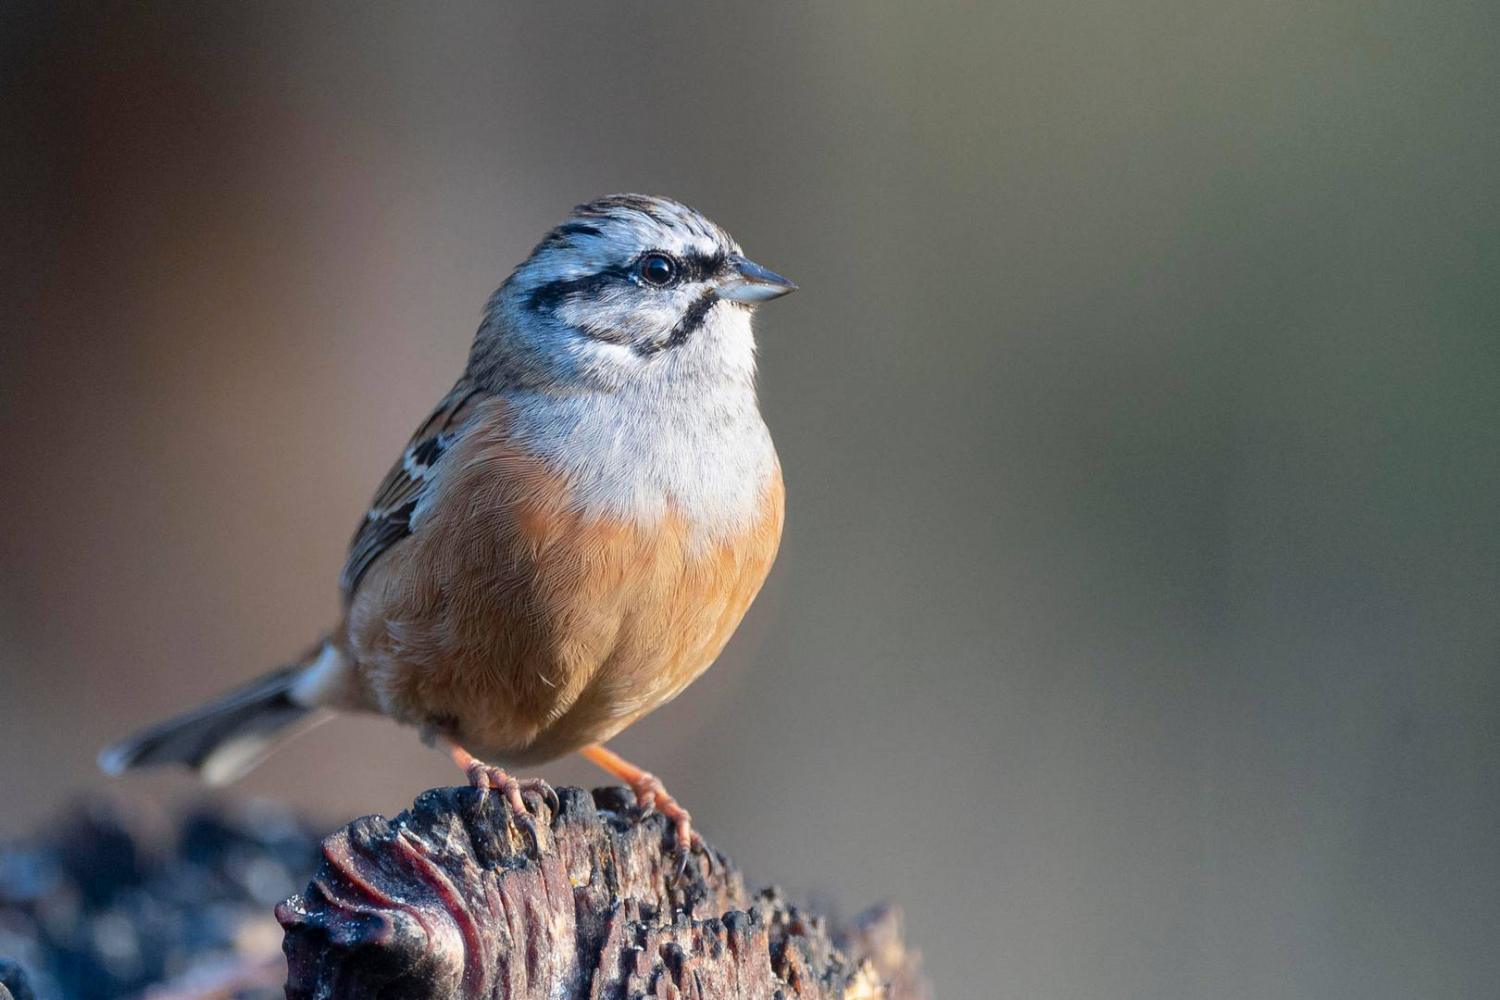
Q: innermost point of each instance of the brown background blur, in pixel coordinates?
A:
(1136, 623)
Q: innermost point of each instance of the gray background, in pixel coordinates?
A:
(1135, 626)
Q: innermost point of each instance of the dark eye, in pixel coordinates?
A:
(658, 269)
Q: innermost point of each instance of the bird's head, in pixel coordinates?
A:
(629, 290)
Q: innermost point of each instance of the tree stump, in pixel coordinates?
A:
(456, 899)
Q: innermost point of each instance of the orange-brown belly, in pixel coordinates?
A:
(525, 630)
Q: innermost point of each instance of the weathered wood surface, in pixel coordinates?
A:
(454, 899)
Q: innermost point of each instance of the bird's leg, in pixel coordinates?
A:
(483, 776)
(650, 794)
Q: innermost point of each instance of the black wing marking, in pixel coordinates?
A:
(389, 517)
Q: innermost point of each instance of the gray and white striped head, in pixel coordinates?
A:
(629, 290)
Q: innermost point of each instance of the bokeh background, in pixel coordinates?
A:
(1136, 623)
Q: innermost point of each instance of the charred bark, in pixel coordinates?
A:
(456, 899)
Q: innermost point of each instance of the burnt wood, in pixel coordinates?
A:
(456, 899)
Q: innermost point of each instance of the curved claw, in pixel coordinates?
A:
(486, 777)
(695, 845)
(652, 795)
(525, 821)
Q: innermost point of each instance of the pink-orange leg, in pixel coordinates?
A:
(650, 794)
(482, 775)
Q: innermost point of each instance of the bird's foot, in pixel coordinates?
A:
(651, 794)
(490, 776)
(487, 776)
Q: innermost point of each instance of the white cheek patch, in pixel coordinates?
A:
(643, 317)
(625, 313)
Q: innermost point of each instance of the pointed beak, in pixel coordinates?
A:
(750, 283)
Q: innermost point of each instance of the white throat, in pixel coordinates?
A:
(683, 435)
(635, 456)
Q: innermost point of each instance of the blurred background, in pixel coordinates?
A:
(1136, 621)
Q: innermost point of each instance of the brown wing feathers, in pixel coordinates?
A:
(388, 519)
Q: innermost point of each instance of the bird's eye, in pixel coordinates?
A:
(658, 269)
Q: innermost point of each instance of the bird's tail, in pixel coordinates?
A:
(230, 735)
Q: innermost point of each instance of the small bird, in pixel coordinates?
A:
(569, 538)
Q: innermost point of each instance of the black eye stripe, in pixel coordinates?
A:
(546, 298)
(699, 266)
(692, 267)
(695, 266)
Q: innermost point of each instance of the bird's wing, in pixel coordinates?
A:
(389, 517)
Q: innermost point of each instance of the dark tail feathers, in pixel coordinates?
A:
(223, 739)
